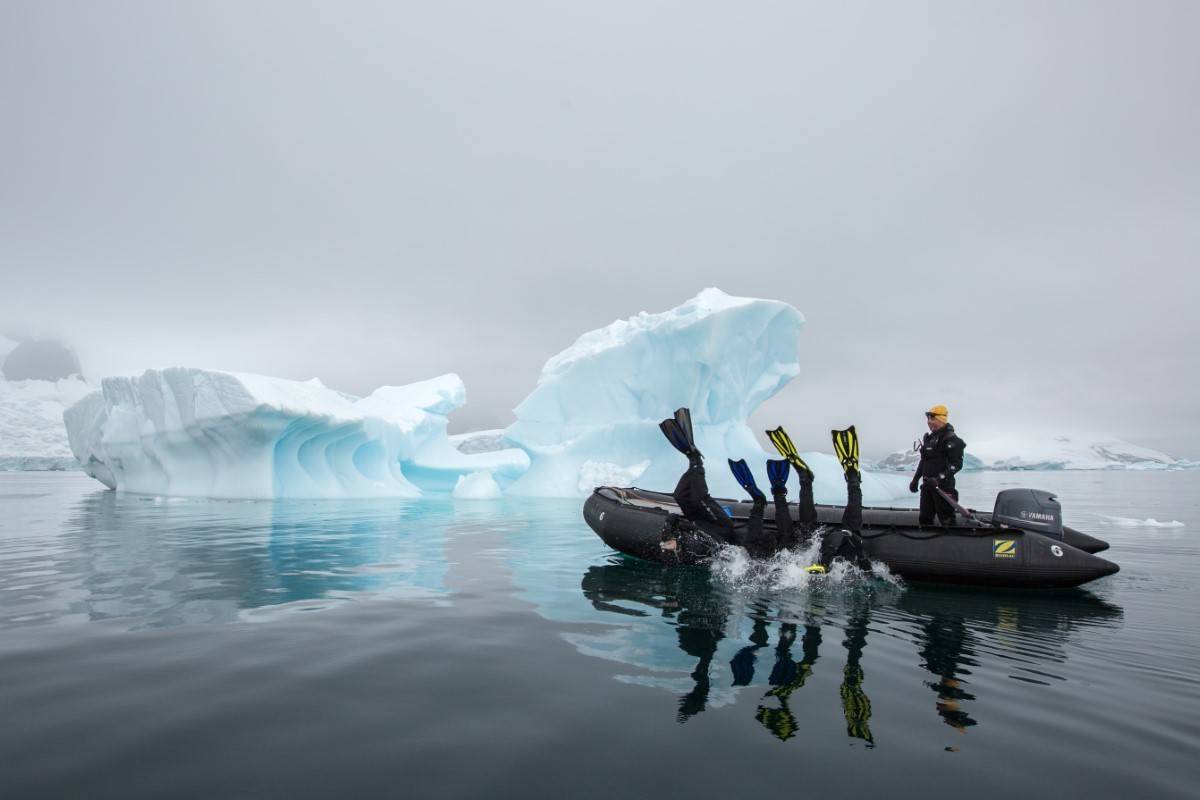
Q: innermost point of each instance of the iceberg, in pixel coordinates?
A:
(1050, 452)
(203, 433)
(593, 417)
(476, 486)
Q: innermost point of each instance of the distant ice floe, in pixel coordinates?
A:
(203, 433)
(1057, 452)
(1130, 522)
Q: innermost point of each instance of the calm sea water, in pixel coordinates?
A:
(160, 648)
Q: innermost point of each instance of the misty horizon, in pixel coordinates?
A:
(990, 208)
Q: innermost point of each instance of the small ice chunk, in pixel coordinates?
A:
(1130, 522)
(604, 473)
(477, 486)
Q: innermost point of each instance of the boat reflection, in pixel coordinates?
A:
(948, 634)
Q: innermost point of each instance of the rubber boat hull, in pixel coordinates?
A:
(631, 521)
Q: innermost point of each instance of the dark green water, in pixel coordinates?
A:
(439, 649)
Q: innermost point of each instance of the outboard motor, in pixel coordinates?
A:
(1030, 510)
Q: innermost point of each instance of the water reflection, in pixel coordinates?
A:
(945, 651)
(787, 677)
(947, 634)
(156, 562)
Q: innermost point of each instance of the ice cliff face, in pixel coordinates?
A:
(193, 432)
(593, 418)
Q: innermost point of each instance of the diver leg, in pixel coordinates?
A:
(778, 471)
(783, 521)
(697, 505)
(806, 514)
(756, 540)
(852, 515)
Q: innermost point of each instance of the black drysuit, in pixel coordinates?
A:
(699, 507)
(941, 459)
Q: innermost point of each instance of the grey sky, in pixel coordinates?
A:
(992, 205)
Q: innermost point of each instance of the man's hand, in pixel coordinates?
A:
(932, 482)
(912, 487)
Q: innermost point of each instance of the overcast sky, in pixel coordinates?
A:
(993, 205)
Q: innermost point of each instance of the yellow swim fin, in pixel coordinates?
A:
(845, 444)
(783, 443)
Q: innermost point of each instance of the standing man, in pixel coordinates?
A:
(941, 459)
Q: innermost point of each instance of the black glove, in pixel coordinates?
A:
(932, 482)
(912, 487)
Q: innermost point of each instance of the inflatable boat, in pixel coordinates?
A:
(1021, 543)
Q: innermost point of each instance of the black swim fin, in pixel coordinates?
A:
(670, 429)
(777, 473)
(683, 418)
(783, 443)
(845, 445)
(745, 478)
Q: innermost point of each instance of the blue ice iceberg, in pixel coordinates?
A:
(593, 418)
(204, 433)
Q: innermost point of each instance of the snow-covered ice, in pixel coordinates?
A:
(594, 415)
(193, 432)
(32, 436)
(1049, 452)
(1130, 522)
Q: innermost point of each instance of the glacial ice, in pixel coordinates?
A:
(32, 436)
(593, 417)
(1050, 452)
(477, 486)
(193, 432)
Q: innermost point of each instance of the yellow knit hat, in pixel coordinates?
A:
(939, 411)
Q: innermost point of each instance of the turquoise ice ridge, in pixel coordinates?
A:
(203, 433)
(593, 418)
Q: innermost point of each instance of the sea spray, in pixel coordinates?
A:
(787, 570)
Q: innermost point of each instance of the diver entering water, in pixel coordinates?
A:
(753, 537)
(713, 523)
(806, 516)
(846, 542)
(759, 541)
(710, 521)
(691, 493)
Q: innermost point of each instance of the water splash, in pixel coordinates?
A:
(786, 570)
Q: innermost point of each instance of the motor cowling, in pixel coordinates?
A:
(1030, 510)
